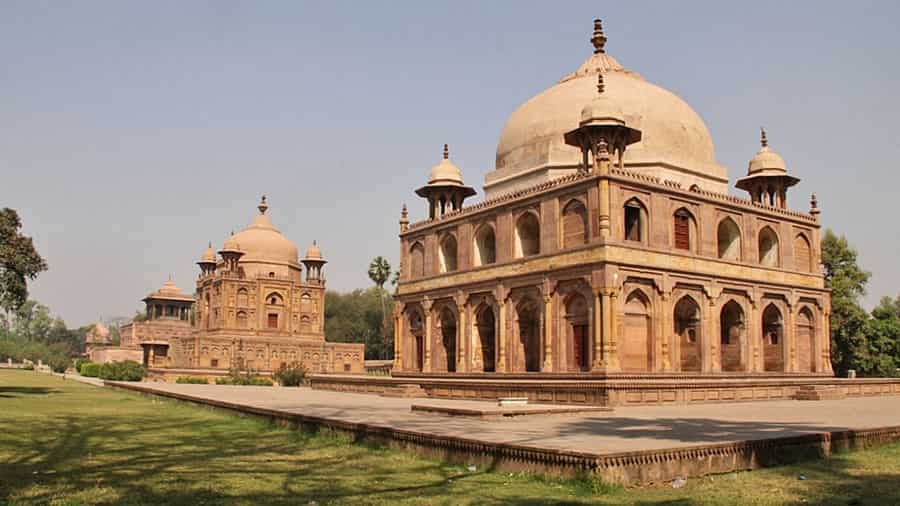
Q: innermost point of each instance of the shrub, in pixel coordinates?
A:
(127, 370)
(90, 369)
(28, 367)
(58, 363)
(191, 380)
(235, 377)
(292, 375)
(79, 362)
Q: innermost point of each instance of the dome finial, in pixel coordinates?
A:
(599, 39)
(262, 205)
(446, 152)
(601, 87)
(763, 141)
(813, 205)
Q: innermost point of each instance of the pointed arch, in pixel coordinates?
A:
(635, 220)
(444, 359)
(417, 260)
(733, 331)
(768, 247)
(486, 329)
(577, 331)
(528, 328)
(806, 340)
(528, 235)
(802, 254)
(729, 239)
(574, 224)
(684, 233)
(415, 325)
(448, 253)
(485, 245)
(773, 338)
(688, 329)
(637, 342)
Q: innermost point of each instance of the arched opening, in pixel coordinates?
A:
(574, 224)
(274, 311)
(528, 235)
(528, 353)
(637, 343)
(773, 336)
(768, 247)
(485, 246)
(635, 220)
(416, 333)
(802, 254)
(729, 238)
(684, 230)
(448, 254)
(806, 336)
(242, 319)
(578, 335)
(687, 328)
(445, 351)
(733, 329)
(417, 260)
(243, 297)
(484, 325)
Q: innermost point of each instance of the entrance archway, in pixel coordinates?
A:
(636, 343)
(484, 325)
(773, 336)
(806, 334)
(446, 361)
(732, 327)
(528, 358)
(577, 332)
(417, 342)
(687, 328)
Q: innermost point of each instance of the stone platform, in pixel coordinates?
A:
(611, 390)
(633, 445)
(487, 409)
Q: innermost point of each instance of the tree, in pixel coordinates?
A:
(19, 261)
(379, 272)
(883, 338)
(355, 317)
(847, 282)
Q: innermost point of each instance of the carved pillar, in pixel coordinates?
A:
(398, 341)
(426, 363)
(609, 358)
(714, 342)
(601, 162)
(614, 328)
(597, 361)
(790, 339)
(824, 335)
(548, 333)
(664, 331)
(754, 334)
(501, 335)
(461, 340)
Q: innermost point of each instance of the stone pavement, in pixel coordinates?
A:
(627, 429)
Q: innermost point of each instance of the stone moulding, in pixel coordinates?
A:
(625, 468)
(615, 174)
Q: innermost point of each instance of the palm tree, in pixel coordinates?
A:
(379, 272)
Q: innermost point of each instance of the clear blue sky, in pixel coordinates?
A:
(131, 133)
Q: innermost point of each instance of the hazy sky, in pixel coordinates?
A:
(131, 133)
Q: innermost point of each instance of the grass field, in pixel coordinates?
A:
(62, 442)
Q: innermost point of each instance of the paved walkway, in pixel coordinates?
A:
(624, 430)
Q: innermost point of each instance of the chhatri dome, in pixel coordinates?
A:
(264, 249)
(675, 143)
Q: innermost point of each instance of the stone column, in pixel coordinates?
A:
(665, 327)
(715, 337)
(824, 335)
(597, 359)
(609, 357)
(754, 334)
(461, 348)
(501, 337)
(548, 333)
(790, 339)
(426, 363)
(398, 341)
(614, 327)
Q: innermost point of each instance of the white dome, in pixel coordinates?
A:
(675, 143)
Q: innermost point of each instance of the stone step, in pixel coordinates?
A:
(405, 390)
(819, 393)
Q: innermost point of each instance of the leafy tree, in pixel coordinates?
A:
(883, 338)
(379, 272)
(847, 282)
(355, 317)
(19, 261)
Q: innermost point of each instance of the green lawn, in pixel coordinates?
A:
(62, 442)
